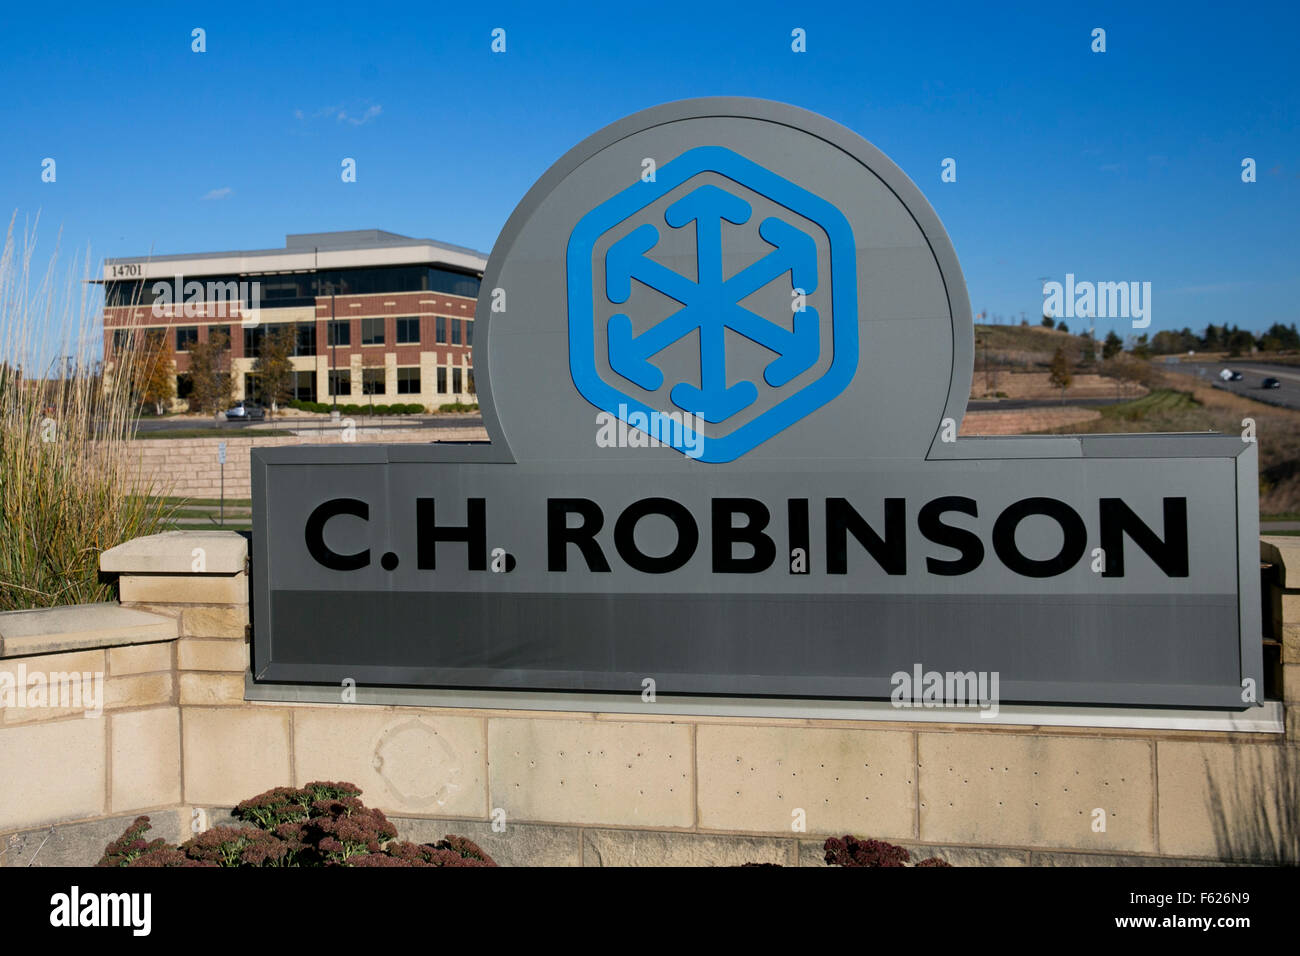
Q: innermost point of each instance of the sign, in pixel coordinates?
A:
(221, 453)
(723, 349)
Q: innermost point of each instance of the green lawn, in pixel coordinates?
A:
(204, 514)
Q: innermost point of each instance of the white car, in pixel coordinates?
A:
(1225, 375)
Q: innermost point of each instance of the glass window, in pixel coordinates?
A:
(340, 332)
(341, 382)
(306, 340)
(216, 332)
(253, 336)
(455, 380)
(184, 385)
(408, 381)
(442, 381)
(441, 334)
(372, 381)
(408, 331)
(456, 326)
(185, 337)
(372, 331)
(304, 386)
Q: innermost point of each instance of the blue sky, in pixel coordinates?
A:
(1123, 165)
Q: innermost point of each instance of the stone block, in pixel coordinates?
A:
(1037, 791)
(845, 781)
(406, 761)
(591, 772)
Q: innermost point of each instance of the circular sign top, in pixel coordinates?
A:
(717, 282)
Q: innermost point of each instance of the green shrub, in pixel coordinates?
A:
(458, 407)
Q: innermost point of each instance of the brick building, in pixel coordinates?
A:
(379, 318)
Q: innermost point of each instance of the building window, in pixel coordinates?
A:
(408, 331)
(184, 385)
(442, 381)
(455, 380)
(408, 381)
(372, 331)
(253, 341)
(441, 336)
(341, 382)
(456, 325)
(305, 343)
(185, 337)
(123, 340)
(372, 381)
(340, 333)
(304, 386)
(216, 332)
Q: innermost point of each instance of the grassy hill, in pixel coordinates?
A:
(1024, 347)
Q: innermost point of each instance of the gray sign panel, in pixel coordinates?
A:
(722, 349)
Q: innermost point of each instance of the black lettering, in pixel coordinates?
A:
(559, 535)
(1118, 519)
(890, 552)
(315, 534)
(688, 535)
(473, 533)
(797, 515)
(726, 536)
(959, 539)
(1073, 545)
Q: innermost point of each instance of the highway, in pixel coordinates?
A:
(1288, 396)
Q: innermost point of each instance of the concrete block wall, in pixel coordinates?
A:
(188, 466)
(617, 789)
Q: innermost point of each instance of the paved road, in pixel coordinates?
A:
(299, 424)
(1288, 396)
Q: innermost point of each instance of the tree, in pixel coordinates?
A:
(212, 383)
(1112, 346)
(274, 365)
(1060, 372)
(1141, 348)
(1238, 341)
(1062, 327)
(1049, 322)
(1089, 348)
(1129, 371)
(153, 380)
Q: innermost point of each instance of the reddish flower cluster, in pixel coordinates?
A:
(321, 824)
(851, 851)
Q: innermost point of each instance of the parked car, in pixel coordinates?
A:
(1237, 376)
(245, 411)
(1270, 383)
(1225, 375)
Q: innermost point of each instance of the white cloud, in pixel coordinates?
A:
(357, 116)
(225, 192)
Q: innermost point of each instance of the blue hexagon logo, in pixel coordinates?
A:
(809, 355)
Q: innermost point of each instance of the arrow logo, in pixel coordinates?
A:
(710, 304)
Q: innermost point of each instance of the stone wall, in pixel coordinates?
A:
(178, 740)
(188, 467)
(1024, 421)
